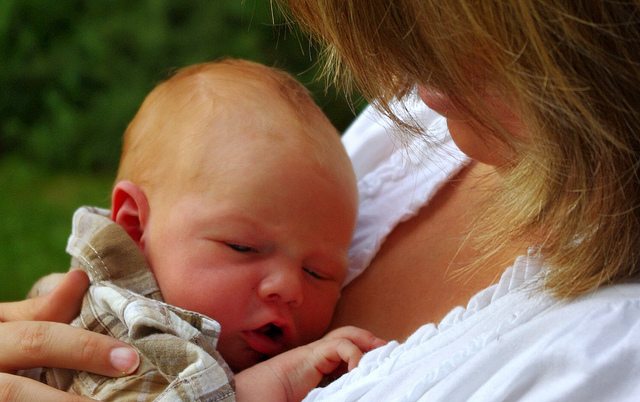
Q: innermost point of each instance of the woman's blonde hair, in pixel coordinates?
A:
(571, 69)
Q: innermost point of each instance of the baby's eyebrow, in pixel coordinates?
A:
(235, 228)
(234, 217)
(337, 265)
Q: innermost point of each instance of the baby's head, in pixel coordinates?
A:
(238, 191)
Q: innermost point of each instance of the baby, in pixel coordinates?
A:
(226, 243)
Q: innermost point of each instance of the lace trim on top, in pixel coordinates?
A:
(518, 282)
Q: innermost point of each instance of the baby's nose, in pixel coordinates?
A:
(284, 286)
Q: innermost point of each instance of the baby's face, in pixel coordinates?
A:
(261, 247)
(265, 258)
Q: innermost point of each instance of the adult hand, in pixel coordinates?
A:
(30, 337)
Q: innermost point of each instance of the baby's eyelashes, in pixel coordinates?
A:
(314, 274)
(241, 248)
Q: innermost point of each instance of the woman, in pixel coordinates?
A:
(536, 233)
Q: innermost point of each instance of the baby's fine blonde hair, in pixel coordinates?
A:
(571, 69)
(159, 149)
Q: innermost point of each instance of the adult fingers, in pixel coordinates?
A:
(27, 344)
(20, 389)
(45, 285)
(62, 304)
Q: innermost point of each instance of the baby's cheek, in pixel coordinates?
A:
(315, 322)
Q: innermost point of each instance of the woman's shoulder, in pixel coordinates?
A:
(585, 349)
(603, 323)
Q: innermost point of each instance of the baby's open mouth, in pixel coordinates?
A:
(272, 331)
(267, 340)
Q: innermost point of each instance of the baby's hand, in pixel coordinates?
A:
(291, 375)
(346, 344)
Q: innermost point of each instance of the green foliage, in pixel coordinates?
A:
(74, 72)
(36, 210)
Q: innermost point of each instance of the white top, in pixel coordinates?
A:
(512, 341)
(396, 176)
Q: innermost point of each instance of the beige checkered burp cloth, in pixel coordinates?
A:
(179, 361)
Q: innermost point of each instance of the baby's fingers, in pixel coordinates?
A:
(349, 353)
(362, 338)
(330, 354)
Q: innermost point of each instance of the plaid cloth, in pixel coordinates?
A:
(179, 361)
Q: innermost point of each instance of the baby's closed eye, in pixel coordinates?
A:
(241, 248)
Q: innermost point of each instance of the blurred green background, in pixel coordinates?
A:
(72, 74)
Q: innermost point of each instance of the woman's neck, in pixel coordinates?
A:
(422, 270)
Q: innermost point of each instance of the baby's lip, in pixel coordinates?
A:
(269, 339)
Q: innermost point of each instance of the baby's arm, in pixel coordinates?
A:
(291, 375)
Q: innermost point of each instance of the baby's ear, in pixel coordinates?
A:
(130, 209)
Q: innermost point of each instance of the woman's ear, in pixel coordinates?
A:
(130, 209)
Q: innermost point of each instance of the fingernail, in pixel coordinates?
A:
(124, 359)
